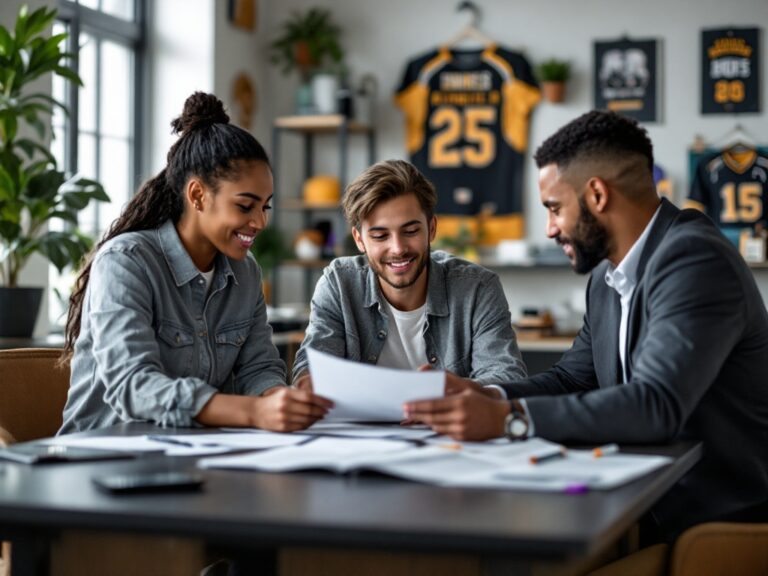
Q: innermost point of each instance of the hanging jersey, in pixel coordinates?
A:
(466, 115)
(732, 189)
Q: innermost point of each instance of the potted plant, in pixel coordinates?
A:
(309, 43)
(553, 74)
(269, 249)
(33, 191)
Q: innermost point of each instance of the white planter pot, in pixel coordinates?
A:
(324, 88)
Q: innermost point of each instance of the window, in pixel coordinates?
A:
(99, 138)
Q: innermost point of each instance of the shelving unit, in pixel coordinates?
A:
(308, 127)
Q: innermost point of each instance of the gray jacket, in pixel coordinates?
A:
(153, 347)
(468, 329)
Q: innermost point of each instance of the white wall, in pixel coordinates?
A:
(193, 46)
(241, 51)
(181, 49)
(380, 37)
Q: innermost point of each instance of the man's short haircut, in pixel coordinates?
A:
(596, 135)
(382, 182)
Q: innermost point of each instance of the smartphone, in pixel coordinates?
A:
(149, 482)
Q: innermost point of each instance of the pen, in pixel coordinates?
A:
(601, 451)
(548, 455)
(169, 440)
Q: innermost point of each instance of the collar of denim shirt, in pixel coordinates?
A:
(180, 262)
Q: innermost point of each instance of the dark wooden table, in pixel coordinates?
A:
(512, 531)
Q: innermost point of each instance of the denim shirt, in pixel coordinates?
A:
(153, 346)
(468, 329)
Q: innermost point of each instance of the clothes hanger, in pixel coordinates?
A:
(471, 31)
(737, 140)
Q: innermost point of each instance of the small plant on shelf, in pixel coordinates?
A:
(307, 43)
(553, 74)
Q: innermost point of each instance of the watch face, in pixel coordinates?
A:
(518, 428)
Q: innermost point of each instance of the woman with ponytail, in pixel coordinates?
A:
(167, 322)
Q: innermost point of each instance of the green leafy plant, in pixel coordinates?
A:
(269, 249)
(33, 191)
(554, 70)
(307, 41)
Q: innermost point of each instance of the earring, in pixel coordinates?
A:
(198, 206)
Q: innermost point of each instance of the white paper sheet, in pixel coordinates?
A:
(184, 444)
(233, 440)
(577, 471)
(337, 454)
(137, 444)
(362, 392)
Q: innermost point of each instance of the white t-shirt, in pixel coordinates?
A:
(208, 277)
(405, 346)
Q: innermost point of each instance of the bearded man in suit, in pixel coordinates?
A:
(674, 344)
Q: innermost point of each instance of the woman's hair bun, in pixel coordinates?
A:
(200, 110)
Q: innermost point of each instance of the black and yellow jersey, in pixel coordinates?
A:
(731, 187)
(466, 114)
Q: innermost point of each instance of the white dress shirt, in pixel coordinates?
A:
(623, 279)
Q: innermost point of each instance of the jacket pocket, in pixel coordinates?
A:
(229, 342)
(177, 346)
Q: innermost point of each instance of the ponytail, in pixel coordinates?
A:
(152, 205)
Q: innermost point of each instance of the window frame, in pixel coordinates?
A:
(80, 19)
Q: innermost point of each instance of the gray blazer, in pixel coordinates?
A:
(697, 351)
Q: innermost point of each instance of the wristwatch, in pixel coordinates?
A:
(516, 422)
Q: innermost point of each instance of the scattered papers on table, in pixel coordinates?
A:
(440, 461)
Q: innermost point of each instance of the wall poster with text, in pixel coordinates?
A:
(625, 78)
(730, 70)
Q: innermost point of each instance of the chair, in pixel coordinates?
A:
(32, 396)
(709, 549)
(731, 548)
(33, 391)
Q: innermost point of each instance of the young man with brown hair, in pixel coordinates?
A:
(401, 305)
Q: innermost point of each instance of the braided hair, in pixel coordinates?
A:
(208, 148)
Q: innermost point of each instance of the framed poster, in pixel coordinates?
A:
(730, 70)
(625, 78)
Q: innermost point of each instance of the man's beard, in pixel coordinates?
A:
(589, 241)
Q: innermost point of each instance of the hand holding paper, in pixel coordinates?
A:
(468, 415)
(369, 393)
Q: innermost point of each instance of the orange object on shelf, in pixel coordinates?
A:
(322, 190)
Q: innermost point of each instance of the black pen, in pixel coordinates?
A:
(550, 454)
(170, 440)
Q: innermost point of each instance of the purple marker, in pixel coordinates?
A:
(576, 489)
